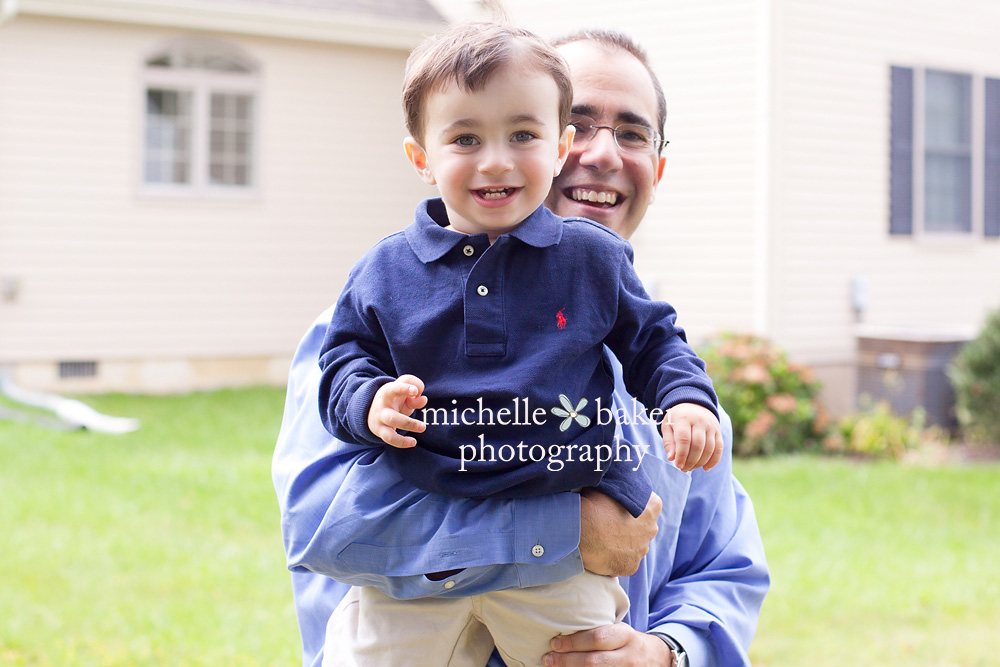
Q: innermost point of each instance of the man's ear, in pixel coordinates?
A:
(656, 180)
(565, 144)
(418, 158)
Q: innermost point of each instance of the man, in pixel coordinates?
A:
(702, 583)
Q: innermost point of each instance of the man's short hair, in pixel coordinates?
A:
(470, 54)
(616, 39)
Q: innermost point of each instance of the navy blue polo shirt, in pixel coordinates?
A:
(509, 340)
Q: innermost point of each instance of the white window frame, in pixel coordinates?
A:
(201, 83)
(978, 139)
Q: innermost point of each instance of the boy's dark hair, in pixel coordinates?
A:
(616, 39)
(470, 54)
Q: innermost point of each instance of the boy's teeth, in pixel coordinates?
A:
(579, 194)
(494, 193)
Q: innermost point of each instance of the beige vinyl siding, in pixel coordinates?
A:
(831, 175)
(109, 272)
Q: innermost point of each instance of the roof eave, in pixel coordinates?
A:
(266, 20)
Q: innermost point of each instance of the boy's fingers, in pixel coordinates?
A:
(717, 454)
(412, 380)
(415, 402)
(668, 440)
(682, 444)
(396, 420)
(393, 439)
(700, 452)
(398, 389)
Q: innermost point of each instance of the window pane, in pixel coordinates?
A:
(230, 139)
(219, 103)
(948, 195)
(948, 152)
(159, 61)
(168, 136)
(218, 142)
(154, 172)
(217, 173)
(991, 207)
(243, 108)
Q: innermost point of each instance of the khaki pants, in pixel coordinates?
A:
(370, 629)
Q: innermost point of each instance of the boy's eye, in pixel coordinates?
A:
(524, 135)
(466, 140)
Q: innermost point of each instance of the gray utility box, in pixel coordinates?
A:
(910, 370)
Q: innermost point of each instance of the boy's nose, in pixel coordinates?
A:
(495, 161)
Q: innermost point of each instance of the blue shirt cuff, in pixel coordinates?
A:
(541, 539)
(694, 643)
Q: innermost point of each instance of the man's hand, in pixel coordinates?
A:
(692, 437)
(612, 541)
(616, 644)
(391, 408)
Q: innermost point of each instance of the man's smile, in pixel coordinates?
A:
(604, 198)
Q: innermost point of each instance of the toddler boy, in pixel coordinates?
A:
(490, 314)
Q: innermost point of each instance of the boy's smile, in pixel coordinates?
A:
(492, 152)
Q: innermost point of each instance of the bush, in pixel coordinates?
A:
(773, 403)
(877, 432)
(976, 379)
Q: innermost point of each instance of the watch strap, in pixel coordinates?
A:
(678, 656)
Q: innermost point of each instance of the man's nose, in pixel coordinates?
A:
(601, 152)
(495, 160)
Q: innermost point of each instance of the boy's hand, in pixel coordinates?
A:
(392, 406)
(692, 437)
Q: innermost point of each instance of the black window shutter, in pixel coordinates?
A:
(901, 154)
(991, 210)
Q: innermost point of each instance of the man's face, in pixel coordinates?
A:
(613, 88)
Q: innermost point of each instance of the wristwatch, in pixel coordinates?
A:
(677, 655)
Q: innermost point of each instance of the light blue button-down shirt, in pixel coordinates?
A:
(347, 518)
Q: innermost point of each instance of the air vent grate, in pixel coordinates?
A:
(77, 369)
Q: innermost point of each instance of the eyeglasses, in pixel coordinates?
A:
(629, 137)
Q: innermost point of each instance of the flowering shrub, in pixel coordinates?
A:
(877, 432)
(773, 403)
(976, 379)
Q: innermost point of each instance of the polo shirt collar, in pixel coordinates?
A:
(430, 240)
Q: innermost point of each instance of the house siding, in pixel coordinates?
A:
(108, 272)
(831, 177)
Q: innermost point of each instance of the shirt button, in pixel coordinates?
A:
(449, 584)
(468, 250)
(482, 291)
(537, 551)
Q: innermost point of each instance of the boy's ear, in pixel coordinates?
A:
(565, 144)
(418, 158)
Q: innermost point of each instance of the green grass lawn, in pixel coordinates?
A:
(877, 563)
(162, 547)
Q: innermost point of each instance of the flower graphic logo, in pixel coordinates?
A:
(570, 413)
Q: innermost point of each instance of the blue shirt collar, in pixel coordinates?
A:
(430, 240)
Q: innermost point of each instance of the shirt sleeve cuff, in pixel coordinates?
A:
(359, 407)
(691, 395)
(694, 643)
(547, 532)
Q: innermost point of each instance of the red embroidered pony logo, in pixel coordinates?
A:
(560, 320)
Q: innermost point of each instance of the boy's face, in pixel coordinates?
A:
(492, 153)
